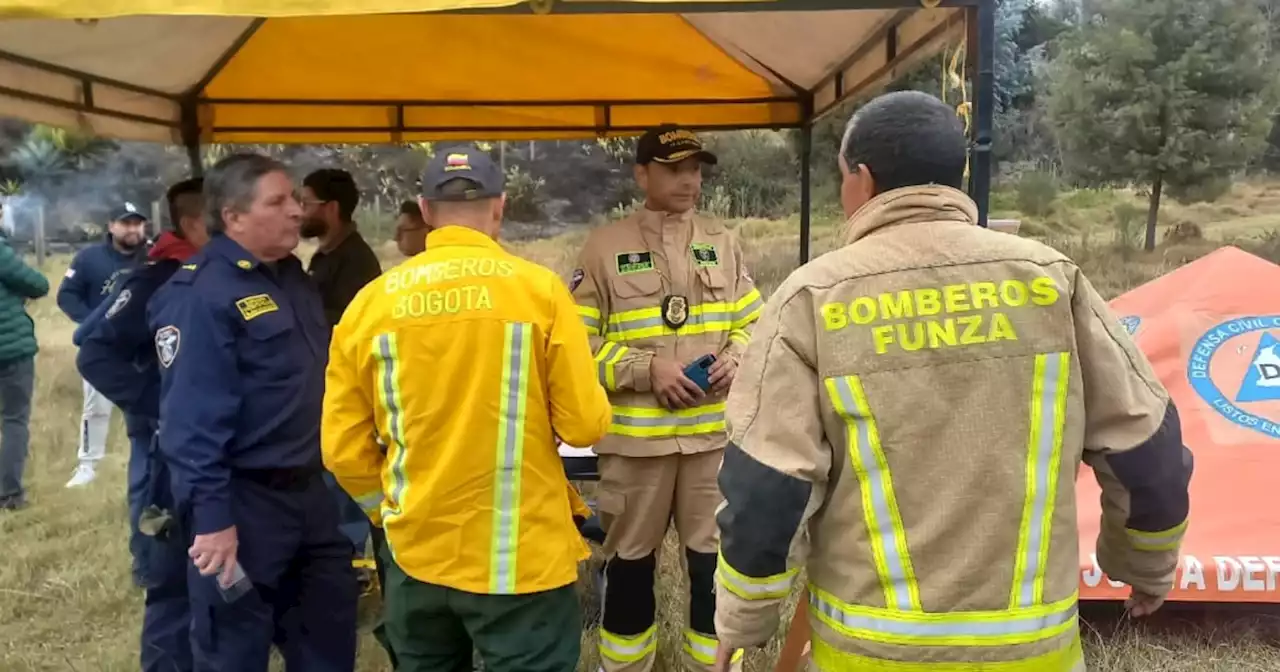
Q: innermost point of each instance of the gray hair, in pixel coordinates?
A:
(906, 138)
(233, 183)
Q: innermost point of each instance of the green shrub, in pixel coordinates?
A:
(1036, 194)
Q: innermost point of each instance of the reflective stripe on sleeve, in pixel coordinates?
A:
(703, 648)
(1044, 460)
(510, 460)
(370, 501)
(625, 649)
(1021, 625)
(879, 505)
(752, 588)
(387, 353)
(590, 319)
(747, 309)
(1166, 540)
(740, 337)
(607, 359)
(645, 422)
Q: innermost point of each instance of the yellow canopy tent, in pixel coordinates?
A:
(378, 71)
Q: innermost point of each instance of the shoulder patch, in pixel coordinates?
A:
(256, 306)
(244, 264)
(634, 262)
(576, 280)
(705, 255)
(121, 301)
(167, 341)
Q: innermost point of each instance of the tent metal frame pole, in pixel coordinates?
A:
(806, 158)
(984, 95)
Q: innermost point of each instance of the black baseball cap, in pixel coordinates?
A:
(128, 211)
(669, 143)
(465, 162)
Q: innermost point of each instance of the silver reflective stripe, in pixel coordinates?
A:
(627, 649)
(758, 589)
(1024, 625)
(669, 420)
(370, 501)
(1047, 433)
(697, 317)
(388, 356)
(510, 460)
(883, 520)
(748, 309)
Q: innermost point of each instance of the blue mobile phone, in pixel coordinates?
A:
(699, 371)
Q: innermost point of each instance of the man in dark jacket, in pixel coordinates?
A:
(117, 357)
(88, 281)
(19, 283)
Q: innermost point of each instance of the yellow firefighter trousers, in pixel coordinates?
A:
(638, 497)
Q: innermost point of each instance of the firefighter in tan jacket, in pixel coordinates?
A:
(941, 384)
(657, 291)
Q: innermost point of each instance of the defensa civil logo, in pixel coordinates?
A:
(1235, 368)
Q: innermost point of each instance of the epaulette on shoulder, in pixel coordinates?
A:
(186, 273)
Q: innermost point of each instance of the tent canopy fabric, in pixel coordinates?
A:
(331, 71)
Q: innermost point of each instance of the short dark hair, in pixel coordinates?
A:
(185, 199)
(453, 193)
(233, 183)
(411, 208)
(907, 139)
(337, 185)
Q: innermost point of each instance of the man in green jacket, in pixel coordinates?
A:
(18, 284)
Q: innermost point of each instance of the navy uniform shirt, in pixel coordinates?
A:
(117, 356)
(242, 347)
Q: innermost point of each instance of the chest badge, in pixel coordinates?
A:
(634, 262)
(705, 255)
(675, 311)
(255, 306)
(167, 341)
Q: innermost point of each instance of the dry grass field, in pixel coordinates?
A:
(67, 602)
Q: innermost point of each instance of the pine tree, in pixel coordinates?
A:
(1174, 94)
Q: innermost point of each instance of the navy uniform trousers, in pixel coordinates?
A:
(159, 562)
(290, 547)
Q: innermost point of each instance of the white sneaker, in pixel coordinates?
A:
(83, 476)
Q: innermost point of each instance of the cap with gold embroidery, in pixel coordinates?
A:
(466, 162)
(670, 143)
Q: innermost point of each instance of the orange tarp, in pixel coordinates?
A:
(1212, 332)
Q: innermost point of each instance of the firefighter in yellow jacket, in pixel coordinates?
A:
(908, 423)
(658, 290)
(466, 362)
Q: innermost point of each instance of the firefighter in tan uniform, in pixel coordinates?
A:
(657, 291)
(941, 384)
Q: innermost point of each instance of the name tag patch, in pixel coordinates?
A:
(256, 305)
(634, 262)
(705, 255)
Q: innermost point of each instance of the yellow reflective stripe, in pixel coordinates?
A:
(747, 309)
(630, 325)
(644, 422)
(590, 319)
(740, 337)
(703, 648)
(386, 351)
(370, 501)
(752, 588)
(879, 504)
(1044, 459)
(625, 649)
(1021, 625)
(1165, 540)
(510, 460)
(828, 658)
(606, 359)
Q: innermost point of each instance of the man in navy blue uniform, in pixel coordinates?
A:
(117, 357)
(242, 341)
(87, 282)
